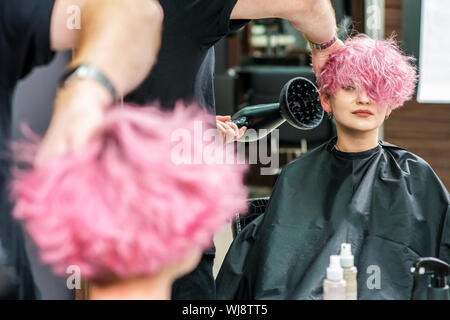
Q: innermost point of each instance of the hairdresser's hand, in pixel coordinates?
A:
(320, 57)
(229, 130)
(78, 112)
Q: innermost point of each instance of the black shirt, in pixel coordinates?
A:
(185, 66)
(24, 44)
(184, 71)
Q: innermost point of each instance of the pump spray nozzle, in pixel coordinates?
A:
(439, 271)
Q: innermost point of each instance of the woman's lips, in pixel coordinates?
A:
(362, 113)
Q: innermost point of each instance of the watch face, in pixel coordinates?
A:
(88, 72)
(82, 71)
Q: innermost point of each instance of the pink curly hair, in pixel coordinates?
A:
(376, 66)
(122, 207)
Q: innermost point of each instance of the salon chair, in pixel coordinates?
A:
(256, 207)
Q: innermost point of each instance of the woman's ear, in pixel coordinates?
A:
(325, 101)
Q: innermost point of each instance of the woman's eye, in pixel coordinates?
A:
(348, 88)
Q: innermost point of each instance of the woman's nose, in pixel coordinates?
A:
(363, 98)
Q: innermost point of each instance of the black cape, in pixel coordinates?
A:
(387, 202)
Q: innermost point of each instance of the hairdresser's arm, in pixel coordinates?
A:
(121, 38)
(314, 18)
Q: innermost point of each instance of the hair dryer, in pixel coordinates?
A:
(299, 105)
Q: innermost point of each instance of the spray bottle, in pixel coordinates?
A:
(438, 288)
(350, 272)
(334, 284)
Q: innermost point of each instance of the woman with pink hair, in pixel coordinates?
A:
(382, 199)
(134, 209)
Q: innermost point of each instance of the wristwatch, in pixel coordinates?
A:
(86, 71)
(323, 46)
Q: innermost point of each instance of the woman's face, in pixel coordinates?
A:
(354, 110)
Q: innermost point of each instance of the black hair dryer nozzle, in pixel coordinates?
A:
(299, 105)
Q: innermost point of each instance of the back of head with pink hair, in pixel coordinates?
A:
(377, 66)
(122, 206)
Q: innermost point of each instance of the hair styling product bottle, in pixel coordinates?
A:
(334, 284)
(350, 271)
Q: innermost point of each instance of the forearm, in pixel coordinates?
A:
(119, 37)
(315, 19)
(317, 22)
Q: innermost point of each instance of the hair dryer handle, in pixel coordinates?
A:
(240, 122)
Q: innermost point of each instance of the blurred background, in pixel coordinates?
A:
(252, 65)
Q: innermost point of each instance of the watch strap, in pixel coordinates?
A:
(323, 46)
(86, 71)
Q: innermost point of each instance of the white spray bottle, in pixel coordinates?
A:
(334, 284)
(350, 271)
